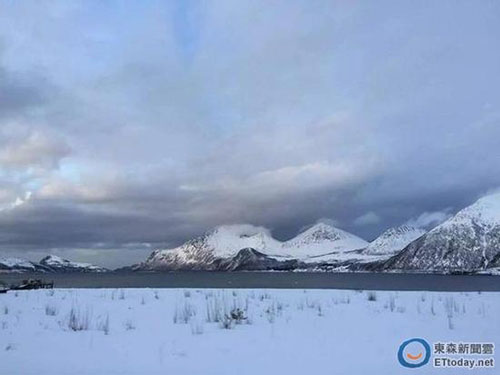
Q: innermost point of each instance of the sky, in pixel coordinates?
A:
(127, 126)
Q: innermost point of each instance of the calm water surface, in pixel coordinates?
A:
(270, 280)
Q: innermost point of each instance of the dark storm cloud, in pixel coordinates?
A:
(125, 128)
(17, 94)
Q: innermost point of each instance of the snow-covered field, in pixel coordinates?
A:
(171, 331)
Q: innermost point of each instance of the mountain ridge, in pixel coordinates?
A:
(203, 253)
(48, 264)
(469, 241)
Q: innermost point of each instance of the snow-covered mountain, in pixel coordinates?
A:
(394, 240)
(221, 246)
(321, 243)
(58, 264)
(322, 239)
(207, 251)
(21, 265)
(253, 260)
(226, 240)
(468, 241)
(50, 263)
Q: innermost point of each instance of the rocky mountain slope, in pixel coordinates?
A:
(50, 263)
(58, 264)
(467, 242)
(21, 265)
(394, 240)
(208, 251)
(221, 249)
(321, 241)
(253, 260)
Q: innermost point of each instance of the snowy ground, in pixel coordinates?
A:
(169, 331)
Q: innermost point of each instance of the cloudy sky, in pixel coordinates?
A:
(131, 125)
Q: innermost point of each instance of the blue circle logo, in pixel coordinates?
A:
(414, 353)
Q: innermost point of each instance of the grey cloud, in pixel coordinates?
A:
(19, 93)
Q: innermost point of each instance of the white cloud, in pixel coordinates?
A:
(19, 201)
(370, 218)
(33, 149)
(428, 220)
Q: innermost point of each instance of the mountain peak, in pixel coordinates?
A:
(239, 231)
(324, 231)
(227, 240)
(485, 211)
(53, 259)
(59, 264)
(322, 239)
(394, 239)
(16, 263)
(468, 241)
(222, 242)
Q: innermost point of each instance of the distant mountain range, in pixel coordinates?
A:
(246, 247)
(50, 263)
(223, 246)
(468, 242)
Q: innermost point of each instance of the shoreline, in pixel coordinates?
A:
(267, 280)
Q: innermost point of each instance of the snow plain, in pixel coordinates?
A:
(174, 331)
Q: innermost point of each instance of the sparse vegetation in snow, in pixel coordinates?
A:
(214, 325)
